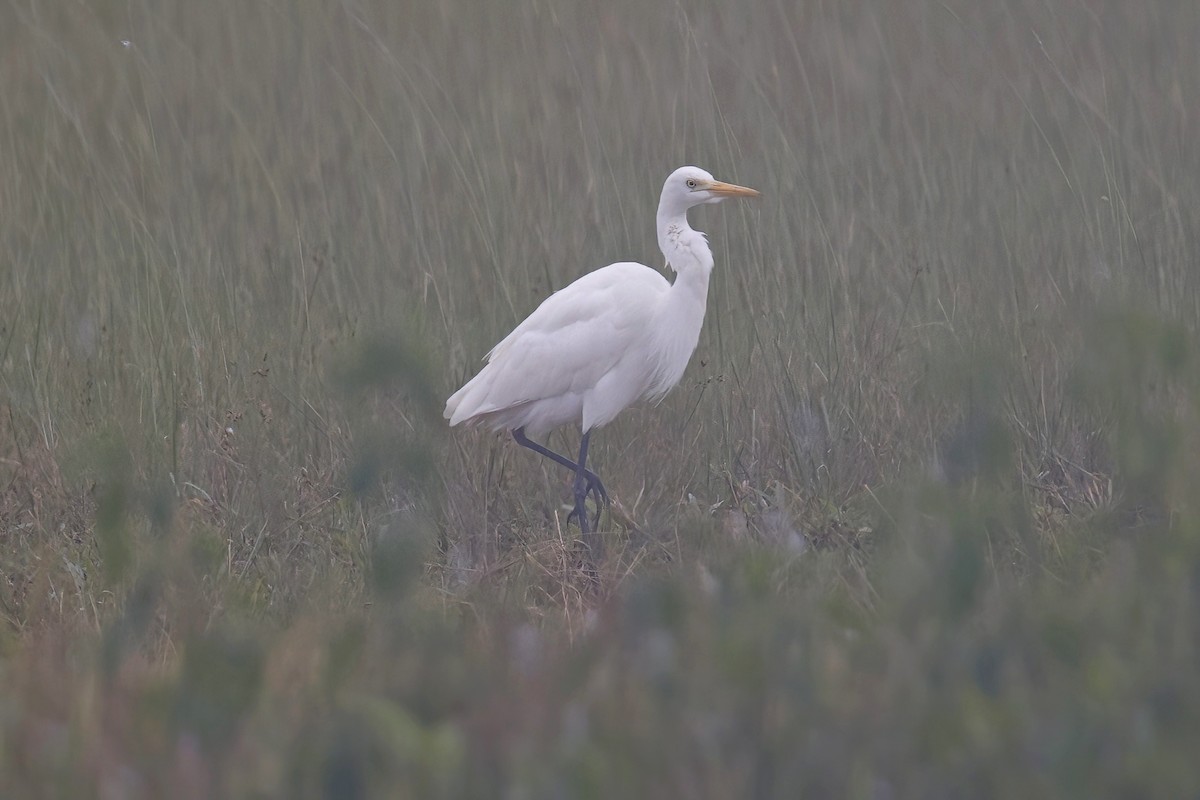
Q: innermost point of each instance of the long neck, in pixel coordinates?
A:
(682, 312)
(686, 250)
(688, 254)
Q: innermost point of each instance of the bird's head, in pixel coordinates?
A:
(685, 188)
(691, 186)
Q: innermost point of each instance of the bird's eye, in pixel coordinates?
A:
(691, 183)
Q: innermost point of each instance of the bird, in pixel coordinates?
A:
(615, 336)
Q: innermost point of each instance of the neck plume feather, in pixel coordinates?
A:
(685, 249)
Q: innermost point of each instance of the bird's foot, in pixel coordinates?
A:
(595, 489)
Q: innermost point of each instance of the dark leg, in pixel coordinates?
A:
(582, 487)
(594, 486)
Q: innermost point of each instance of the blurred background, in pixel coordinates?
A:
(919, 521)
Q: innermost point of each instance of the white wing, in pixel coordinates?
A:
(545, 371)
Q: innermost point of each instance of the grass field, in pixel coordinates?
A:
(920, 521)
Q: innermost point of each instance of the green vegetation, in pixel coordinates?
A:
(920, 521)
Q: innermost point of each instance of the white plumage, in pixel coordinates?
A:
(613, 337)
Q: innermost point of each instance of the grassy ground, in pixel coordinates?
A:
(920, 520)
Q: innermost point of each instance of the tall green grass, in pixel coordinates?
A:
(919, 521)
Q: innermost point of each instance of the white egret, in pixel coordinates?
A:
(613, 337)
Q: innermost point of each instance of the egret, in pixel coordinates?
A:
(611, 338)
